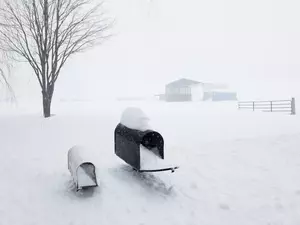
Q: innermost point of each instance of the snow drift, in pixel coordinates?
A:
(236, 168)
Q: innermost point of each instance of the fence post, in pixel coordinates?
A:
(253, 106)
(271, 106)
(293, 107)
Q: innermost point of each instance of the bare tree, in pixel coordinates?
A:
(45, 33)
(5, 84)
(4, 75)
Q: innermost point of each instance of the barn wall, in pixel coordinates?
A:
(176, 94)
(224, 96)
(197, 93)
(178, 98)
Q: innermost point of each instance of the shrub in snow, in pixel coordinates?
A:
(135, 118)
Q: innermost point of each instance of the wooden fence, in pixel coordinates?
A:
(288, 106)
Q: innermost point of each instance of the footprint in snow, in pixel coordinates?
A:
(224, 206)
(194, 186)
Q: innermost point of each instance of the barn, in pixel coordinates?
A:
(179, 90)
(183, 90)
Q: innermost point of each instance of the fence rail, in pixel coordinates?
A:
(270, 106)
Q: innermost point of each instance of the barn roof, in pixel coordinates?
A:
(182, 83)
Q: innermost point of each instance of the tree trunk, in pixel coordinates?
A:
(47, 99)
(46, 106)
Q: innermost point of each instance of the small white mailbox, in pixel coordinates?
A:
(82, 170)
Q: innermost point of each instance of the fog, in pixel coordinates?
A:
(251, 45)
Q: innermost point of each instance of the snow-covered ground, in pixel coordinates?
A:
(237, 167)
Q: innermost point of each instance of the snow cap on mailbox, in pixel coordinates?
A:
(135, 118)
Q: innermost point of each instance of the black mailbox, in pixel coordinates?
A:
(128, 142)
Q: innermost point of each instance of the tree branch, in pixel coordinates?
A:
(46, 33)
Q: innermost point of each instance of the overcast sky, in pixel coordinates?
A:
(251, 45)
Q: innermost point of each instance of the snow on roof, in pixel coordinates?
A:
(182, 83)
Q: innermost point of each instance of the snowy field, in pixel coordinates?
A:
(237, 167)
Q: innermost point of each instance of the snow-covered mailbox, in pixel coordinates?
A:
(82, 170)
(134, 140)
